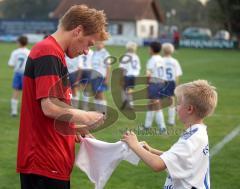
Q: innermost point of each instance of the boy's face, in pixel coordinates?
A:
(99, 45)
(182, 109)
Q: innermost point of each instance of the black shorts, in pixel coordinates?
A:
(129, 82)
(32, 181)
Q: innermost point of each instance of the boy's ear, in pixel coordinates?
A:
(190, 109)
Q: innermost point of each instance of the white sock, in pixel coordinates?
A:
(96, 105)
(149, 119)
(14, 106)
(130, 99)
(85, 100)
(160, 119)
(101, 105)
(171, 115)
(75, 101)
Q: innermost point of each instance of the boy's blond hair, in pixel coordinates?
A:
(167, 49)
(92, 20)
(200, 94)
(131, 46)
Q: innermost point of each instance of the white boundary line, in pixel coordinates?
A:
(218, 147)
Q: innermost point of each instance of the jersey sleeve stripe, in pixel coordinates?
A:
(45, 66)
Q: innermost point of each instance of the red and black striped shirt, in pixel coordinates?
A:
(42, 149)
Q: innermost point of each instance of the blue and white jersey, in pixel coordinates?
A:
(85, 61)
(18, 59)
(131, 64)
(72, 64)
(155, 69)
(100, 63)
(187, 161)
(172, 69)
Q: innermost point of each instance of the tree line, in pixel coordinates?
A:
(215, 14)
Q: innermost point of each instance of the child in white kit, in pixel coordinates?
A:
(131, 69)
(172, 73)
(187, 161)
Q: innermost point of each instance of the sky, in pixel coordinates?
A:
(203, 1)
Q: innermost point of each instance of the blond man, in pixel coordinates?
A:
(187, 161)
(46, 150)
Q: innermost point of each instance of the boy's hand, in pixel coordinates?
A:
(146, 146)
(130, 138)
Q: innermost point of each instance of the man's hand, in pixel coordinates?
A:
(56, 109)
(82, 133)
(90, 120)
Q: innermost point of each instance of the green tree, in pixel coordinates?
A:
(27, 9)
(225, 14)
(188, 12)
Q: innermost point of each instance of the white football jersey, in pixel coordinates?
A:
(187, 161)
(100, 63)
(155, 66)
(85, 61)
(131, 63)
(18, 59)
(72, 63)
(172, 68)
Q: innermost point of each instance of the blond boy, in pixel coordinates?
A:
(131, 66)
(187, 161)
(172, 72)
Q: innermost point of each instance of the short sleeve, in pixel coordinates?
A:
(107, 59)
(178, 69)
(178, 160)
(139, 62)
(51, 78)
(149, 66)
(124, 61)
(11, 61)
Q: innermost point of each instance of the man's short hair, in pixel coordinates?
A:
(200, 94)
(155, 46)
(23, 40)
(92, 20)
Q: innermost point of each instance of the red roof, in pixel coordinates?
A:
(124, 10)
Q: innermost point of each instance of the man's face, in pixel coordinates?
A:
(80, 43)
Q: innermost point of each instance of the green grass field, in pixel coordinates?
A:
(220, 67)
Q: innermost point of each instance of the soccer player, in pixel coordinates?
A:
(47, 134)
(100, 76)
(18, 60)
(73, 70)
(85, 68)
(156, 84)
(172, 73)
(187, 161)
(131, 66)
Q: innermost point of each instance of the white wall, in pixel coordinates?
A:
(122, 40)
(143, 28)
(128, 28)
